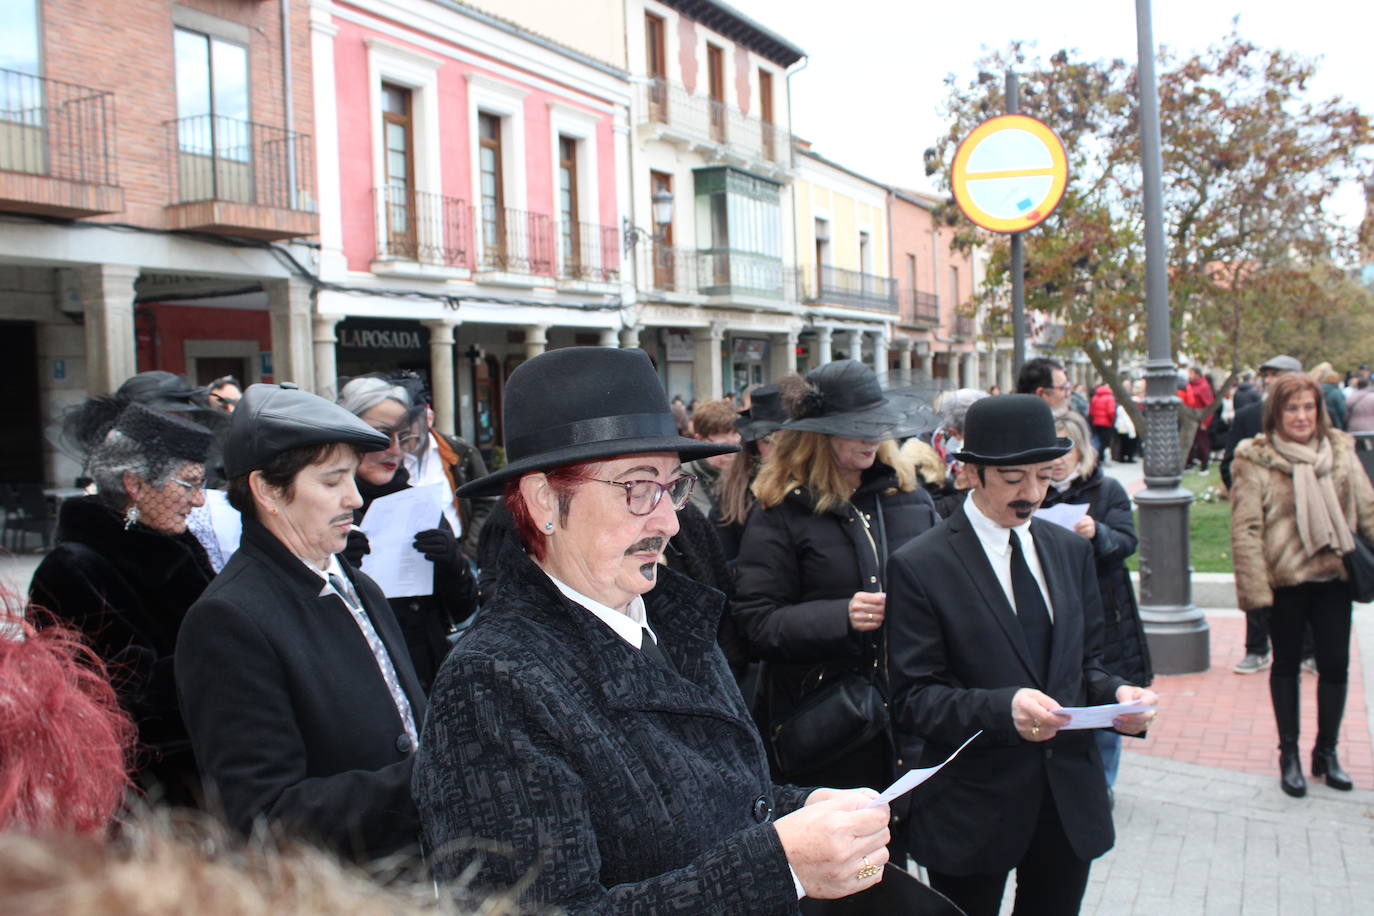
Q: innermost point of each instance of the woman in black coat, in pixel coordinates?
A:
(124, 572)
(834, 503)
(297, 687)
(1078, 479)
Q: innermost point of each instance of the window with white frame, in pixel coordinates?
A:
(414, 221)
(509, 237)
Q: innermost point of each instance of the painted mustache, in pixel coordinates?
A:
(1022, 507)
(646, 545)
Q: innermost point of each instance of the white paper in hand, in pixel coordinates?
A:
(914, 778)
(1065, 515)
(390, 525)
(1098, 716)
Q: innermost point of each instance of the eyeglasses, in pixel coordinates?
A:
(188, 486)
(643, 496)
(404, 435)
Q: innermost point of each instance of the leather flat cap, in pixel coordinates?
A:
(272, 419)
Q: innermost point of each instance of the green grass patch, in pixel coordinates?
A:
(1209, 524)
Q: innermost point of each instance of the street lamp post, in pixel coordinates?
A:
(1177, 631)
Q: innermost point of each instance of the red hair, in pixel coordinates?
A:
(64, 740)
(563, 481)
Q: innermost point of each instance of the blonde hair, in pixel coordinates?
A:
(802, 458)
(1070, 423)
(923, 457)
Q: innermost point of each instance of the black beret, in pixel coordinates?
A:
(271, 419)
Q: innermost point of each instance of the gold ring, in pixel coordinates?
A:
(868, 871)
(1035, 730)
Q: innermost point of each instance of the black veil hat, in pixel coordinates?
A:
(847, 400)
(764, 415)
(164, 433)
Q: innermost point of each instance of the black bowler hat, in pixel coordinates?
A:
(765, 414)
(846, 400)
(586, 404)
(271, 419)
(1011, 429)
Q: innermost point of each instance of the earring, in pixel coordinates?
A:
(548, 526)
(273, 510)
(131, 516)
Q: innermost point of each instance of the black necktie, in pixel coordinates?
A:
(649, 646)
(1030, 608)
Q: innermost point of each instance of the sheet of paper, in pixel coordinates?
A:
(390, 524)
(226, 521)
(1099, 716)
(914, 778)
(1063, 514)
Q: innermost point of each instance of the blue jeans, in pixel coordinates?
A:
(1109, 746)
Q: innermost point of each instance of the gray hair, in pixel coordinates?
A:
(954, 407)
(362, 394)
(1072, 424)
(118, 455)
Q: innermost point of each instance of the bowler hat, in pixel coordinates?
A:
(271, 419)
(1011, 429)
(847, 400)
(580, 404)
(765, 414)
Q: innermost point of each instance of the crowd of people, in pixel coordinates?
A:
(661, 660)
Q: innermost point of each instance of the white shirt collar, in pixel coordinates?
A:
(993, 535)
(629, 626)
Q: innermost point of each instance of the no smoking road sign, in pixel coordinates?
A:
(1009, 173)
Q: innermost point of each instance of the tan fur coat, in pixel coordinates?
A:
(1267, 550)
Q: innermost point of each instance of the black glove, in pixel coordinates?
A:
(439, 546)
(356, 548)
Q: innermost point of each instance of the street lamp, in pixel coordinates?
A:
(663, 217)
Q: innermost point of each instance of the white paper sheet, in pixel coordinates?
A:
(1099, 716)
(390, 524)
(1063, 514)
(914, 778)
(226, 521)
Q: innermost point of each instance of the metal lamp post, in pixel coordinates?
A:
(1177, 631)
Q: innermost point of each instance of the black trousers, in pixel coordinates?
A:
(1325, 606)
(1257, 631)
(1050, 879)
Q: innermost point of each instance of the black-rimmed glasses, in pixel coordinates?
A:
(643, 496)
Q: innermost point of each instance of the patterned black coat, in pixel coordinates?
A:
(1124, 649)
(621, 786)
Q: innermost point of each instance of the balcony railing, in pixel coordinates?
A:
(422, 227)
(702, 119)
(515, 241)
(725, 271)
(588, 251)
(964, 326)
(60, 138)
(851, 287)
(674, 270)
(923, 307)
(244, 162)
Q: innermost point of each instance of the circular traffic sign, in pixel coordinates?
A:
(1009, 173)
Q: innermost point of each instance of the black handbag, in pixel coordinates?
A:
(1359, 565)
(842, 713)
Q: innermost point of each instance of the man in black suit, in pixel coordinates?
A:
(995, 622)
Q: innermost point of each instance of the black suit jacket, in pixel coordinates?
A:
(289, 716)
(958, 657)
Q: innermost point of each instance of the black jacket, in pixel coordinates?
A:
(795, 575)
(958, 658)
(468, 466)
(1124, 649)
(612, 783)
(288, 712)
(1248, 423)
(128, 592)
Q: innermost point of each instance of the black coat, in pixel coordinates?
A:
(617, 785)
(795, 575)
(128, 592)
(288, 712)
(958, 657)
(1124, 649)
(1248, 423)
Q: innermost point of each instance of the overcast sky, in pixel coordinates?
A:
(869, 94)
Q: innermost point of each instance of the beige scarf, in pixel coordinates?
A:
(1321, 521)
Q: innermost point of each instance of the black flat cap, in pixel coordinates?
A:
(272, 419)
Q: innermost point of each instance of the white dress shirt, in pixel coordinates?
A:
(997, 547)
(428, 468)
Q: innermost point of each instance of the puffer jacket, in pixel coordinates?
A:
(1265, 543)
(1102, 410)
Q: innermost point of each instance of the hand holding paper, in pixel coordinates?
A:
(1100, 716)
(914, 778)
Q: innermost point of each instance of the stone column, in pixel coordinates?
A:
(904, 358)
(824, 338)
(326, 367)
(923, 365)
(880, 356)
(441, 374)
(629, 337)
(856, 344)
(610, 337)
(536, 340)
(107, 299)
(706, 374)
(289, 302)
(783, 354)
(972, 375)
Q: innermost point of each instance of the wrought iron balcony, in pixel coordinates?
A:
(241, 177)
(422, 227)
(964, 326)
(57, 147)
(588, 252)
(922, 307)
(515, 241)
(850, 287)
(719, 272)
(701, 120)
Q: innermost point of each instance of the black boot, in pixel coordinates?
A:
(1283, 693)
(1330, 708)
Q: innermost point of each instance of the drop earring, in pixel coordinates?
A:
(131, 515)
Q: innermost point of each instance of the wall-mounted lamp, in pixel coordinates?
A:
(663, 217)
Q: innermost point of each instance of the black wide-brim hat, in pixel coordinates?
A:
(847, 400)
(581, 404)
(271, 419)
(1011, 429)
(765, 414)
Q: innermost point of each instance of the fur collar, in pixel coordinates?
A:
(140, 553)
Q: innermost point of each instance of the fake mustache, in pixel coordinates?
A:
(646, 545)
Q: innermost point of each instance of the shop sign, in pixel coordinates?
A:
(372, 339)
(679, 346)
